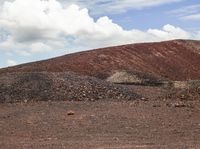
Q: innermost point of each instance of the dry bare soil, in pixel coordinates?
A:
(100, 124)
(125, 97)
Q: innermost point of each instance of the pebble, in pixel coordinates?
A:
(70, 113)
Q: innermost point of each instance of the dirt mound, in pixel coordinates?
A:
(134, 78)
(175, 60)
(58, 86)
(189, 94)
(185, 90)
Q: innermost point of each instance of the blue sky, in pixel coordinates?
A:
(32, 30)
(156, 17)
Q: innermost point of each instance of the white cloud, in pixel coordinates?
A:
(35, 26)
(198, 35)
(170, 32)
(116, 6)
(112, 6)
(192, 17)
(11, 62)
(39, 46)
(186, 10)
(191, 12)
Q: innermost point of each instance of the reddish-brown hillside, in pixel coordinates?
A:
(176, 60)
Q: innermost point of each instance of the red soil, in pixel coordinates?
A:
(175, 60)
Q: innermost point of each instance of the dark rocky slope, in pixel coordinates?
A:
(58, 86)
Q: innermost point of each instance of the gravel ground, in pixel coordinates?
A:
(101, 124)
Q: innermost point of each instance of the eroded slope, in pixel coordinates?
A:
(176, 60)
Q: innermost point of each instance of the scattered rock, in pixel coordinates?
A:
(144, 99)
(70, 113)
(156, 105)
(179, 105)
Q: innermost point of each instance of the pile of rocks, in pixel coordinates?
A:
(36, 86)
(187, 94)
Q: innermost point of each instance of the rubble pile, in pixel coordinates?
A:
(37, 86)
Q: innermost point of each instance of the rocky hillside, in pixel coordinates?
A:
(175, 60)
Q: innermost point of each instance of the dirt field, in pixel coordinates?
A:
(100, 125)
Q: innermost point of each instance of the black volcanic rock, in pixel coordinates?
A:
(44, 86)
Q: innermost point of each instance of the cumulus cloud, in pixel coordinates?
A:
(170, 32)
(36, 26)
(11, 62)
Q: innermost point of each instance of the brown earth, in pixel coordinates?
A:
(100, 125)
(175, 60)
(66, 102)
(188, 94)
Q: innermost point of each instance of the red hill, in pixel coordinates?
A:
(175, 60)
